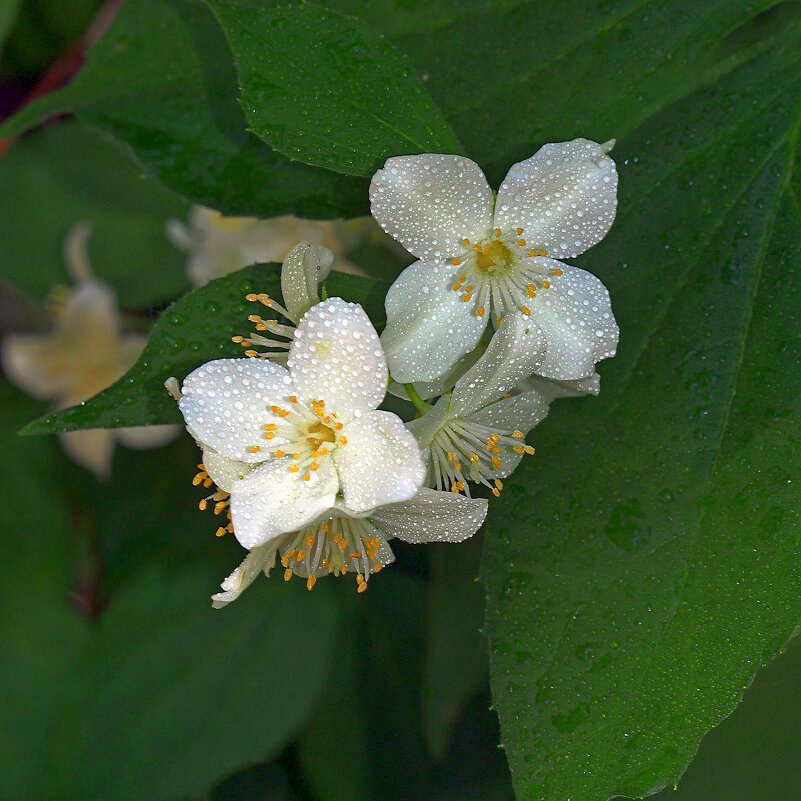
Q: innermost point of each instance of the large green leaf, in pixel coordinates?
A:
(194, 330)
(169, 682)
(328, 90)
(65, 175)
(163, 81)
(8, 13)
(646, 563)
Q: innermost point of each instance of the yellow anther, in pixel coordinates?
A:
(529, 450)
(279, 454)
(203, 505)
(208, 483)
(456, 262)
(251, 354)
(452, 457)
(378, 567)
(311, 581)
(497, 322)
(521, 242)
(465, 241)
(518, 449)
(497, 232)
(499, 483)
(531, 291)
(326, 564)
(458, 466)
(546, 285)
(288, 574)
(255, 449)
(462, 279)
(355, 555)
(343, 569)
(325, 528)
(456, 287)
(237, 339)
(219, 507)
(307, 477)
(496, 462)
(518, 434)
(519, 231)
(300, 556)
(271, 427)
(343, 441)
(296, 456)
(221, 532)
(310, 541)
(480, 311)
(230, 528)
(468, 288)
(294, 469)
(467, 297)
(557, 273)
(525, 310)
(338, 426)
(496, 492)
(251, 297)
(474, 458)
(314, 466)
(532, 253)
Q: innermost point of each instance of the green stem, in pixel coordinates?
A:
(418, 402)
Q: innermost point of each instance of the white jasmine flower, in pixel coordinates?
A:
(340, 543)
(218, 245)
(291, 446)
(84, 352)
(476, 433)
(482, 258)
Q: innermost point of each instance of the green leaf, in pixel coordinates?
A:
(174, 695)
(753, 754)
(646, 563)
(456, 663)
(163, 81)
(328, 90)
(8, 13)
(194, 330)
(68, 174)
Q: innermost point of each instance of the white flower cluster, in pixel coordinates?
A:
(307, 469)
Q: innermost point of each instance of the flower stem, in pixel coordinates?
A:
(418, 402)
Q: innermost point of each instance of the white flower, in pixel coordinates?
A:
(483, 257)
(84, 353)
(218, 245)
(477, 432)
(291, 446)
(340, 543)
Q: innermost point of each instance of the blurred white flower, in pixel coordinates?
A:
(293, 445)
(218, 245)
(340, 543)
(84, 352)
(476, 433)
(483, 257)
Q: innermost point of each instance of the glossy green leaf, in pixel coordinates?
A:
(68, 174)
(755, 753)
(167, 681)
(456, 663)
(163, 81)
(8, 13)
(645, 563)
(194, 330)
(328, 90)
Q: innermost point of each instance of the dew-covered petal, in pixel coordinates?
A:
(304, 267)
(381, 462)
(226, 404)
(552, 390)
(431, 202)
(336, 357)
(224, 472)
(259, 560)
(424, 428)
(429, 326)
(432, 516)
(575, 315)
(516, 351)
(435, 388)
(272, 500)
(564, 197)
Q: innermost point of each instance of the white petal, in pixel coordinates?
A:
(575, 315)
(433, 389)
(336, 357)
(304, 267)
(259, 560)
(430, 203)
(224, 472)
(515, 352)
(380, 463)
(432, 516)
(564, 197)
(226, 404)
(424, 428)
(429, 326)
(30, 362)
(552, 390)
(271, 501)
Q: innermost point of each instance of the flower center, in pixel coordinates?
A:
(317, 434)
(463, 450)
(493, 257)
